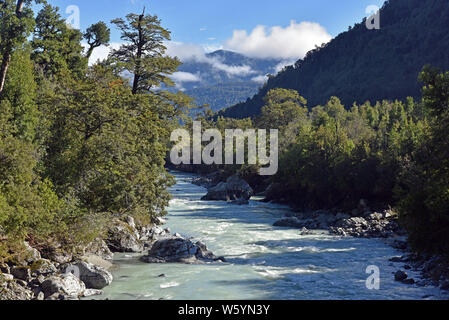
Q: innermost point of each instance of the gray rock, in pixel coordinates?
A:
(290, 222)
(32, 254)
(235, 188)
(408, 281)
(65, 284)
(22, 273)
(6, 277)
(130, 221)
(94, 277)
(92, 292)
(43, 267)
(99, 248)
(400, 276)
(11, 290)
(123, 238)
(4, 268)
(177, 250)
(396, 259)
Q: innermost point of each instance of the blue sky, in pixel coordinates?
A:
(210, 22)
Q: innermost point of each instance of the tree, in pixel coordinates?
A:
(16, 23)
(143, 53)
(282, 106)
(56, 46)
(19, 96)
(423, 188)
(97, 35)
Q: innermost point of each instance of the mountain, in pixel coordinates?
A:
(223, 78)
(362, 65)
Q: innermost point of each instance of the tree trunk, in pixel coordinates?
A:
(139, 55)
(6, 59)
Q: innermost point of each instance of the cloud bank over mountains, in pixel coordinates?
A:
(286, 44)
(291, 42)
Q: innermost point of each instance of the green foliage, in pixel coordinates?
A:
(57, 48)
(367, 65)
(83, 147)
(97, 35)
(107, 148)
(19, 96)
(424, 184)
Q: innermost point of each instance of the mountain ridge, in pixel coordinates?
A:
(362, 65)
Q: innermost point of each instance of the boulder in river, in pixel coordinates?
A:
(289, 222)
(235, 188)
(177, 249)
(400, 276)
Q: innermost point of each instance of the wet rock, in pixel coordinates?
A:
(66, 284)
(235, 188)
(408, 281)
(239, 202)
(208, 181)
(178, 250)
(304, 232)
(289, 222)
(400, 276)
(395, 259)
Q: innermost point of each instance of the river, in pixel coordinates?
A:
(263, 262)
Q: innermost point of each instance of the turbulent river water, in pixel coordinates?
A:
(263, 262)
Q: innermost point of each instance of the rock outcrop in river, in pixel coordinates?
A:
(178, 249)
(234, 189)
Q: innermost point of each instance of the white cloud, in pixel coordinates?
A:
(260, 79)
(191, 52)
(283, 64)
(180, 77)
(101, 52)
(291, 42)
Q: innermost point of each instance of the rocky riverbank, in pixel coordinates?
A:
(362, 222)
(57, 275)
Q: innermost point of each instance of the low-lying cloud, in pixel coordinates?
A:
(291, 42)
(194, 53)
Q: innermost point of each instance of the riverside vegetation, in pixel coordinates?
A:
(80, 147)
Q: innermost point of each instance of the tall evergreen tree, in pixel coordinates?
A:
(143, 52)
(56, 46)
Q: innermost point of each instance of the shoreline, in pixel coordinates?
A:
(46, 277)
(362, 223)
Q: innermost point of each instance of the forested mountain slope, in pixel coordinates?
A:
(361, 64)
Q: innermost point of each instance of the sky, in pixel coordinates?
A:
(281, 29)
